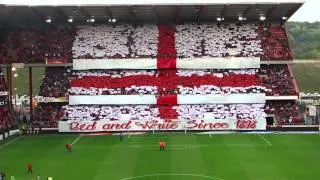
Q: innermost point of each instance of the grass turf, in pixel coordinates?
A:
(188, 157)
(307, 76)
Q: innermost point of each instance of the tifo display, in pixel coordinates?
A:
(182, 73)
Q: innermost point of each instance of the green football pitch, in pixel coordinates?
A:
(187, 157)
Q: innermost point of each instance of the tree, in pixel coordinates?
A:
(304, 38)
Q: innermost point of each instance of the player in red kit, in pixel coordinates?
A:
(69, 147)
(162, 145)
(29, 168)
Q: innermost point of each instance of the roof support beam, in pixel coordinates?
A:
(271, 10)
(38, 13)
(177, 14)
(293, 10)
(108, 12)
(60, 12)
(131, 14)
(199, 10)
(224, 11)
(154, 14)
(247, 10)
(84, 12)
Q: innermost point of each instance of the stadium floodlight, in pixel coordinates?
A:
(114, 20)
(262, 18)
(92, 20)
(70, 20)
(284, 18)
(48, 20)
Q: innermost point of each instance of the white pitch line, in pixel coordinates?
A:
(265, 140)
(172, 174)
(170, 146)
(10, 142)
(76, 139)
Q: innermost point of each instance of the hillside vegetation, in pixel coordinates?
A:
(304, 38)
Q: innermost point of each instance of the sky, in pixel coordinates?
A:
(308, 12)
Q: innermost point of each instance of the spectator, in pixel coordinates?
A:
(55, 82)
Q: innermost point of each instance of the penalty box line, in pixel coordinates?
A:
(76, 140)
(185, 146)
(265, 140)
(10, 142)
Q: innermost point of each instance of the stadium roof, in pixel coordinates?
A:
(150, 10)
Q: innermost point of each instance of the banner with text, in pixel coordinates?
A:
(156, 125)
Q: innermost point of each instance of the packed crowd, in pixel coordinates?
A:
(211, 40)
(162, 42)
(121, 41)
(279, 79)
(37, 45)
(3, 53)
(110, 113)
(287, 112)
(3, 46)
(269, 79)
(221, 111)
(55, 82)
(5, 121)
(189, 41)
(47, 115)
(125, 41)
(146, 112)
(275, 43)
(145, 41)
(148, 83)
(3, 84)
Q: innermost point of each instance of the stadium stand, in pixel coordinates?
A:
(5, 121)
(275, 43)
(145, 112)
(3, 53)
(286, 112)
(47, 115)
(269, 79)
(211, 40)
(189, 40)
(37, 45)
(55, 82)
(125, 41)
(165, 43)
(3, 84)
